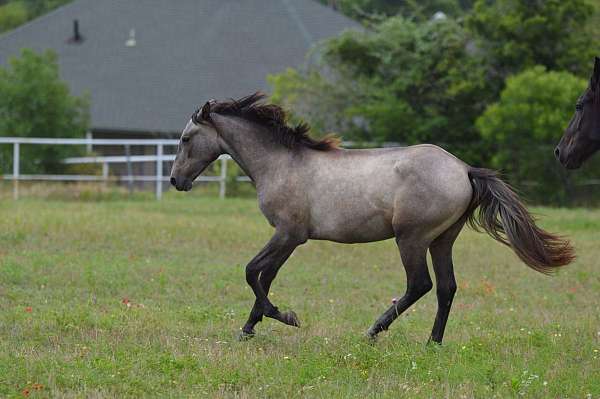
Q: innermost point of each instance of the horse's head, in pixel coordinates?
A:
(582, 136)
(198, 147)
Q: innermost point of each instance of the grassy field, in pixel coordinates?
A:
(138, 298)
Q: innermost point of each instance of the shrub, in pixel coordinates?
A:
(35, 102)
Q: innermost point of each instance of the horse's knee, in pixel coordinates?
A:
(452, 287)
(447, 288)
(267, 277)
(252, 273)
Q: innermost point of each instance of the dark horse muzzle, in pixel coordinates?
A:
(181, 184)
(566, 161)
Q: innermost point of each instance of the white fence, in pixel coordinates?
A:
(159, 178)
(158, 159)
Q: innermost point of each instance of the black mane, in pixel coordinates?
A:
(273, 117)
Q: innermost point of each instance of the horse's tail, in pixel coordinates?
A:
(502, 215)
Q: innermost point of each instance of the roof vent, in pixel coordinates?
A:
(76, 38)
(131, 41)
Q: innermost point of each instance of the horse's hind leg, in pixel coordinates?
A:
(418, 282)
(441, 255)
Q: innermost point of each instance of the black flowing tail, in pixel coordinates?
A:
(502, 215)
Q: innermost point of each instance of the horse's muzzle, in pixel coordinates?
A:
(565, 160)
(181, 184)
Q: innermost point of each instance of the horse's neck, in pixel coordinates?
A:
(253, 150)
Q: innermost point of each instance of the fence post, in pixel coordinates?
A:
(159, 170)
(88, 146)
(105, 174)
(223, 178)
(129, 168)
(16, 171)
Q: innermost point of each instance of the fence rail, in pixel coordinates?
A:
(158, 178)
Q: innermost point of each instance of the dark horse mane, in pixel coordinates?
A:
(274, 118)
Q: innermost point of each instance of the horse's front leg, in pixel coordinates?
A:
(256, 314)
(260, 273)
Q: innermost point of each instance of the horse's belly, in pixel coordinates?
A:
(349, 227)
(356, 208)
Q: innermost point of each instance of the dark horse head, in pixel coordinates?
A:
(582, 136)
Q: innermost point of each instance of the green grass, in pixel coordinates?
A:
(67, 266)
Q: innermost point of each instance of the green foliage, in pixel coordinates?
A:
(594, 25)
(35, 102)
(39, 7)
(17, 12)
(519, 34)
(524, 125)
(369, 10)
(403, 82)
(12, 15)
(313, 98)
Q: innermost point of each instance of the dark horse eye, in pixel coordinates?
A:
(579, 106)
(185, 139)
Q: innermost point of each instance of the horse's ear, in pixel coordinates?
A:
(596, 73)
(205, 113)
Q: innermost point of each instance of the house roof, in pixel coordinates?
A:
(186, 52)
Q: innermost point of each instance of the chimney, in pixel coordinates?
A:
(131, 42)
(76, 38)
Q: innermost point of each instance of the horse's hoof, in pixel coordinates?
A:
(245, 335)
(290, 318)
(431, 343)
(371, 335)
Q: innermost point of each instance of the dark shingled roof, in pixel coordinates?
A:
(186, 52)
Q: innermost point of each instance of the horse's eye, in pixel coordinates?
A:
(185, 139)
(579, 106)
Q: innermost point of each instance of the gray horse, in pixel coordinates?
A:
(308, 189)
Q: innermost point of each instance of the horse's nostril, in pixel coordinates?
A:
(173, 181)
(556, 152)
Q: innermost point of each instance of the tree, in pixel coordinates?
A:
(12, 15)
(516, 34)
(34, 102)
(16, 12)
(524, 126)
(39, 7)
(403, 81)
(368, 10)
